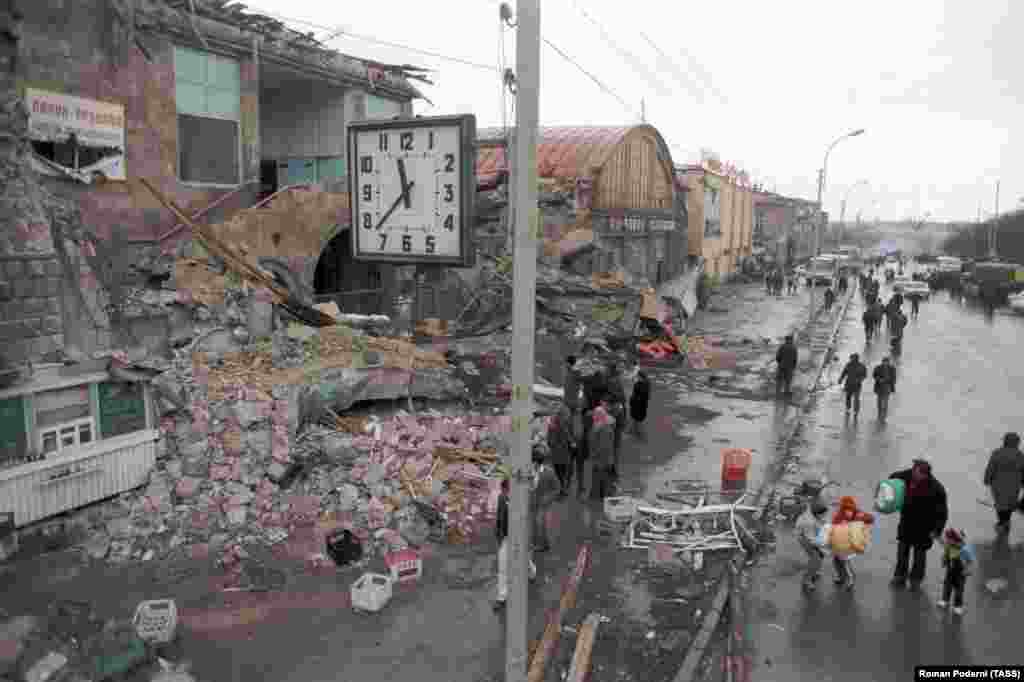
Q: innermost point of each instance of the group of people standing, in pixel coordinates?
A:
(775, 280)
(590, 426)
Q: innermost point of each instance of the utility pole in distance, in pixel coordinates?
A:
(524, 285)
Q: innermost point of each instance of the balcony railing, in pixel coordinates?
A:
(634, 223)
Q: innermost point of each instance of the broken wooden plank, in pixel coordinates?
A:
(549, 642)
(580, 668)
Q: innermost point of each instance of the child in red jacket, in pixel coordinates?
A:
(848, 513)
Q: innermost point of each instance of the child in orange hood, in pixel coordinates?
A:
(848, 513)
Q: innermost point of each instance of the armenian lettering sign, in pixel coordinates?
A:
(122, 408)
(75, 136)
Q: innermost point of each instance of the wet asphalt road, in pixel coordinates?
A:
(960, 388)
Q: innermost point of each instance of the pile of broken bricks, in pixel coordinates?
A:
(242, 462)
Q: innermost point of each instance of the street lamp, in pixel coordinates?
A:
(821, 215)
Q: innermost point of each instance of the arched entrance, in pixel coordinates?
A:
(355, 287)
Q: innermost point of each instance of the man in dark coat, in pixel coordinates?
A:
(560, 442)
(922, 521)
(616, 398)
(639, 400)
(869, 325)
(830, 298)
(602, 452)
(885, 385)
(853, 374)
(787, 358)
(1003, 475)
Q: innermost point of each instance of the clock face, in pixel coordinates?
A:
(407, 201)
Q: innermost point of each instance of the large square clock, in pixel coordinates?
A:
(413, 190)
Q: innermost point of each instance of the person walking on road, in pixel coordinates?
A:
(853, 374)
(560, 442)
(899, 323)
(786, 358)
(848, 512)
(617, 398)
(885, 385)
(809, 528)
(602, 451)
(830, 298)
(915, 305)
(791, 284)
(922, 520)
(544, 492)
(1003, 476)
(957, 559)
(501, 531)
(869, 324)
(639, 401)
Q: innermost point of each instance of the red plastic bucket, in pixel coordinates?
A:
(735, 467)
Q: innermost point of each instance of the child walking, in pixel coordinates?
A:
(809, 529)
(848, 513)
(957, 559)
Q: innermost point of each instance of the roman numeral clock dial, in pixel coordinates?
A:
(408, 186)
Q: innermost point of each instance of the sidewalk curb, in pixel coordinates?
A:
(698, 649)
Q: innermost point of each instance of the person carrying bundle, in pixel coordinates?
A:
(849, 537)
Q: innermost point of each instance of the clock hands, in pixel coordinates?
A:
(405, 184)
(403, 197)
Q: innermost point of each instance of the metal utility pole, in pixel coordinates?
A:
(524, 278)
(992, 253)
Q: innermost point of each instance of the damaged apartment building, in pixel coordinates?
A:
(236, 119)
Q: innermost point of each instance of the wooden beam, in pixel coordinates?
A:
(549, 642)
(579, 671)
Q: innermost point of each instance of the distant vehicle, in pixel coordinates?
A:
(1016, 302)
(823, 269)
(901, 283)
(916, 289)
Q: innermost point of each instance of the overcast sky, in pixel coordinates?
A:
(766, 86)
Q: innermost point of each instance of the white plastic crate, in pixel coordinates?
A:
(371, 592)
(620, 509)
(405, 566)
(156, 620)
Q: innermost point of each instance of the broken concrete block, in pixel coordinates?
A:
(237, 515)
(119, 528)
(348, 497)
(46, 668)
(187, 487)
(13, 634)
(258, 441)
(276, 471)
(248, 412)
(97, 547)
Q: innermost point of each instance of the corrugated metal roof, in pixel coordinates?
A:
(562, 152)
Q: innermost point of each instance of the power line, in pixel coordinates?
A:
(334, 32)
(586, 73)
(681, 75)
(624, 54)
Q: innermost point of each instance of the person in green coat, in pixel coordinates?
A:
(560, 442)
(1004, 475)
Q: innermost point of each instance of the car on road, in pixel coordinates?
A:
(916, 289)
(900, 283)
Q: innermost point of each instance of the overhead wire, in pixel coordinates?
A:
(334, 32)
(604, 88)
(635, 63)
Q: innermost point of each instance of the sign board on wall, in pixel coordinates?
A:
(76, 137)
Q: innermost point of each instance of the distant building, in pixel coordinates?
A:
(783, 227)
(721, 224)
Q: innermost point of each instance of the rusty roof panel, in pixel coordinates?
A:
(562, 152)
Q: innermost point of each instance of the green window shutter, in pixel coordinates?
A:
(332, 168)
(378, 107)
(207, 84)
(122, 408)
(223, 73)
(189, 65)
(13, 433)
(223, 103)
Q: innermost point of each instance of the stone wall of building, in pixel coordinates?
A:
(30, 308)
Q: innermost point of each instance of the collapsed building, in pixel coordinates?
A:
(183, 316)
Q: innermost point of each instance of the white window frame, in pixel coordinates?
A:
(236, 121)
(56, 429)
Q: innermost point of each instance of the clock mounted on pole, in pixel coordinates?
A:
(412, 184)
